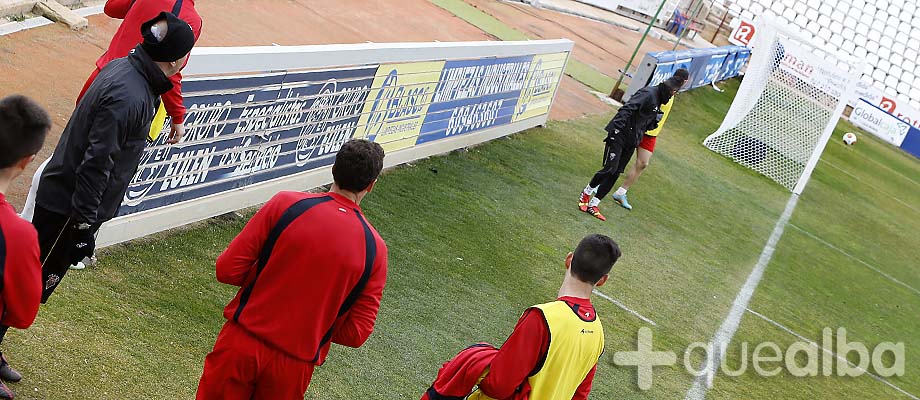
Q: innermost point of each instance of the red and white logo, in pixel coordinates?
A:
(743, 34)
(888, 105)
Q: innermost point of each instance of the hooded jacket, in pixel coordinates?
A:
(641, 113)
(101, 147)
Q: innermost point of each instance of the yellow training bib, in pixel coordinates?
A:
(574, 349)
(666, 109)
(156, 127)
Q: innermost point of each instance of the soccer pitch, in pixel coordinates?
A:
(477, 236)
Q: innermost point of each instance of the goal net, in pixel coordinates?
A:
(786, 108)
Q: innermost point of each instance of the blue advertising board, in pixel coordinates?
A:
(473, 95)
(246, 130)
(705, 66)
(249, 130)
(911, 143)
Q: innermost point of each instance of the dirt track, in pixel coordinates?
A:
(604, 47)
(51, 63)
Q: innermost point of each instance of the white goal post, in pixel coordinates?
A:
(787, 106)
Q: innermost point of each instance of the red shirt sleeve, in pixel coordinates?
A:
(237, 263)
(585, 388)
(118, 8)
(172, 100)
(518, 357)
(357, 324)
(22, 274)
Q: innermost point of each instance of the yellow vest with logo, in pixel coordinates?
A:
(666, 109)
(574, 348)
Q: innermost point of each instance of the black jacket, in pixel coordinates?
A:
(102, 144)
(638, 115)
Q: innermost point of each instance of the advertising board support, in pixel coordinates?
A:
(615, 93)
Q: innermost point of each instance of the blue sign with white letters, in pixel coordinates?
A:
(249, 130)
(473, 95)
(705, 66)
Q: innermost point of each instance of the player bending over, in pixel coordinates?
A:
(640, 114)
(133, 13)
(647, 145)
(553, 351)
(99, 151)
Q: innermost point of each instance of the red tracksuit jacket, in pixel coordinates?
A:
(293, 302)
(20, 269)
(135, 13)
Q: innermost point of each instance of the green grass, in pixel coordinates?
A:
(576, 69)
(477, 236)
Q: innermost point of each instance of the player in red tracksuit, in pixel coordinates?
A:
(134, 13)
(23, 127)
(311, 272)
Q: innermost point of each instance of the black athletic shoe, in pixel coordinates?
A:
(7, 373)
(5, 392)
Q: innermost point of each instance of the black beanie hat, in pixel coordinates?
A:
(178, 41)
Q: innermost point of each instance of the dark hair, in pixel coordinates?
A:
(674, 82)
(23, 126)
(594, 257)
(682, 74)
(357, 164)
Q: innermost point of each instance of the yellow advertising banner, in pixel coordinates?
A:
(540, 87)
(398, 102)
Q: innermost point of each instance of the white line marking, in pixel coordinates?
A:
(875, 188)
(618, 304)
(870, 159)
(724, 335)
(803, 338)
(841, 251)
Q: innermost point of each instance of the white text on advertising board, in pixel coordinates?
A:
(326, 128)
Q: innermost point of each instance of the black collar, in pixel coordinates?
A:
(142, 62)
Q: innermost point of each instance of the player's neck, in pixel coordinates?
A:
(355, 197)
(6, 179)
(572, 287)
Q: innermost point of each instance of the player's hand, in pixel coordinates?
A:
(84, 241)
(176, 131)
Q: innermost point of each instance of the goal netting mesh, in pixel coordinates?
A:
(786, 107)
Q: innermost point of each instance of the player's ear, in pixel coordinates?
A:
(24, 162)
(601, 281)
(371, 186)
(568, 260)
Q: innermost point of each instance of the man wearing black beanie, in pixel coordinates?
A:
(640, 114)
(101, 147)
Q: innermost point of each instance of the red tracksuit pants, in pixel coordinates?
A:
(243, 367)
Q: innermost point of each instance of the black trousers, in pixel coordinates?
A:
(616, 157)
(3, 329)
(57, 241)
